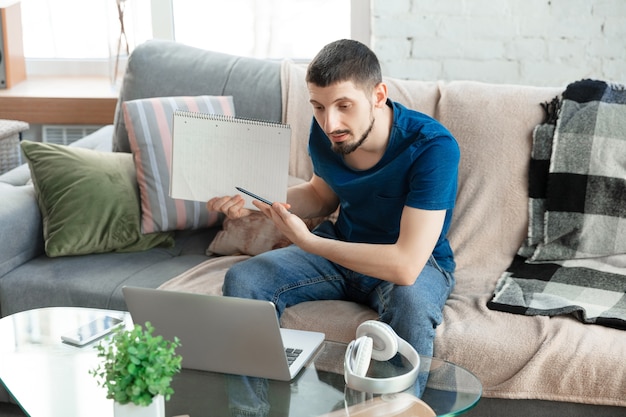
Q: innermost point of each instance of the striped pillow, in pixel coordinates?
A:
(149, 124)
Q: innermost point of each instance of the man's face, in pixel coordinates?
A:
(344, 112)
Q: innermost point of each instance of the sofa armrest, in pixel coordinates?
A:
(17, 176)
(20, 222)
(20, 218)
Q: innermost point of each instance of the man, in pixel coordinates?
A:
(393, 174)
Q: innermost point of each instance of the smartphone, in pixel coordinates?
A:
(92, 331)
(261, 199)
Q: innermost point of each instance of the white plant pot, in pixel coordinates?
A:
(155, 409)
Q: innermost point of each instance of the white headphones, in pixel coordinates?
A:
(377, 340)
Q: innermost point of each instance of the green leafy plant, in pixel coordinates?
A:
(137, 366)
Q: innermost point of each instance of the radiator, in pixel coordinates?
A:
(66, 134)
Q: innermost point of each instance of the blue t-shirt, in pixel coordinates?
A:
(419, 169)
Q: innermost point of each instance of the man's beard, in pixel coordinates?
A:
(345, 148)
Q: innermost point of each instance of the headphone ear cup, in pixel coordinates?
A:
(385, 340)
(362, 354)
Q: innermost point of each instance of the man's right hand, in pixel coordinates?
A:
(231, 206)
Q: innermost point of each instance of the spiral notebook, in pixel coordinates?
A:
(212, 154)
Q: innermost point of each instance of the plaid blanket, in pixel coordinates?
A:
(574, 258)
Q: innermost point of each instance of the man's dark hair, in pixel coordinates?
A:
(345, 60)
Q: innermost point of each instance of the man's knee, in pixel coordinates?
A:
(234, 283)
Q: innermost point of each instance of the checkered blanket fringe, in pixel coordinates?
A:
(574, 258)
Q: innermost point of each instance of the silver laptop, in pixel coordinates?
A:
(224, 334)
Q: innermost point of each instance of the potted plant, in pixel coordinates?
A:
(137, 370)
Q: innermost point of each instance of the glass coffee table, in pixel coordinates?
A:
(48, 377)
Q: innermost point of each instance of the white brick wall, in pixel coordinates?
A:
(536, 42)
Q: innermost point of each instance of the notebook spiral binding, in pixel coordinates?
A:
(230, 119)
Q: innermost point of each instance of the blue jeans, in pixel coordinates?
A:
(289, 276)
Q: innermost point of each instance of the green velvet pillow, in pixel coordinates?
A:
(89, 200)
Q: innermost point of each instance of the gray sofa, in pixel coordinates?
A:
(536, 366)
(29, 279)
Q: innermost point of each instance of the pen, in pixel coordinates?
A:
(254, 196)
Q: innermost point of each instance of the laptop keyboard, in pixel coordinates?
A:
(292, 354)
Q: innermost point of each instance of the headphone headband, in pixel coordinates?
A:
(383, 385)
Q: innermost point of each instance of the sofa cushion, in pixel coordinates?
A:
(248, 235)
(149, 124)
(255, 234)
(96, 280)
(493, 125)
(88, 200)
(159, 68)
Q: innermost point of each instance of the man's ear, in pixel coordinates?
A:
(380, 95)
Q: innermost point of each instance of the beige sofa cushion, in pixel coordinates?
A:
(493, 125)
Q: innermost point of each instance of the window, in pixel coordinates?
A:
(74, 29)
(77, 36)
(80, 37)
(263, 28)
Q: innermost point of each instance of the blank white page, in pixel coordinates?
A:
(213, 154)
